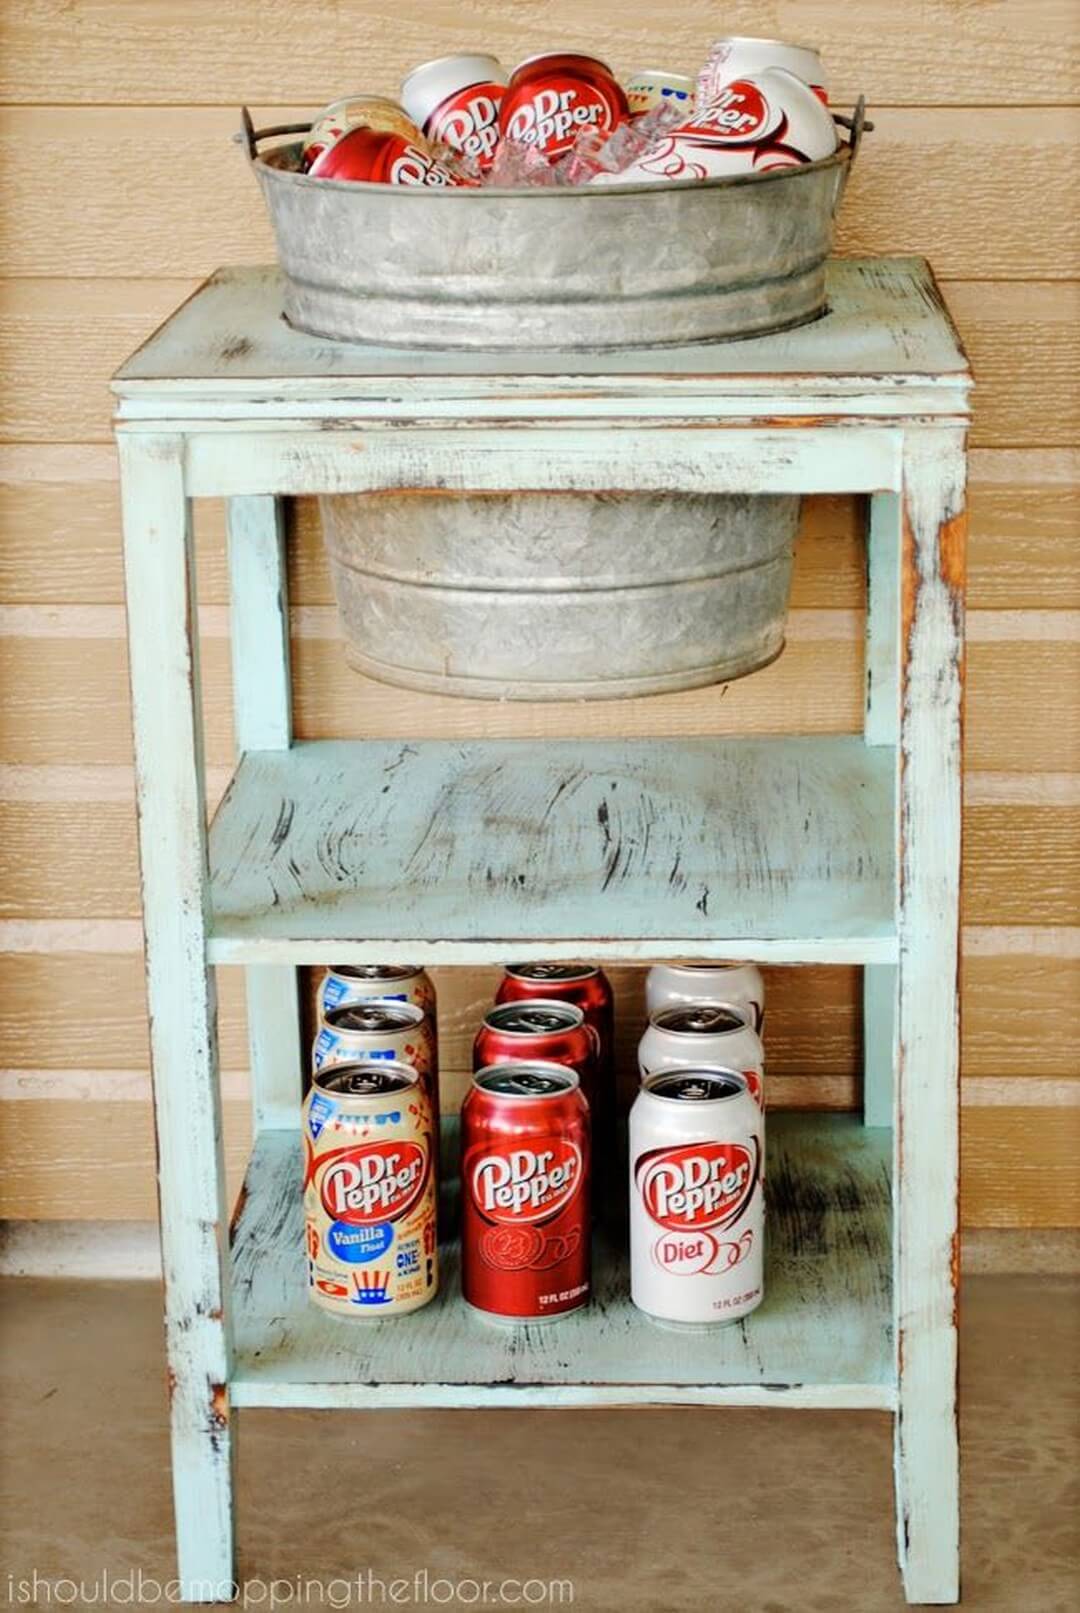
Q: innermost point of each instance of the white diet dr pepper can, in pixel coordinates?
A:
(691, 1035)
(697, 1208)
(738, 983)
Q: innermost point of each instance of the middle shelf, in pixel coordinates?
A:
(458, 852)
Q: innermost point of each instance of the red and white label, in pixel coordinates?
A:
(469, 121)
(514, 1185)
(697, 1185)
(372, 1181)
(553, 116)
(739, 113)
(690, 1254)
(414, 167)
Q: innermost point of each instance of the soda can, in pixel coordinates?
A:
(354, 112)
(541, 1028)
(525, 1253)
(686, 1035)
(380, 1031)
(770, 121)
(738, 983)
(654, 86)
(589, 989)
(697, 1208)
(370, 1191)
(735, 58)
(383, 158)
(551, 98)
(455, 101)
(346, 983)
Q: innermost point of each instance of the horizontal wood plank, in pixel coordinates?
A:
(94, 1160)
(141, 50)
(1020, 1167)
(62, 542)
(1021, 863)
(1021, 1015)
(59, 339)
(57, 689)
(462, 844)
(958, 188)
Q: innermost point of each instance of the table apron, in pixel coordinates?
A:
(694, 459)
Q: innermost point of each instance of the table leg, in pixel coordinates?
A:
(926, 1262)
(163, 645)
(881, 727)
(262, 719)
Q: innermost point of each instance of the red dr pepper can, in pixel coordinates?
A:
(383, 158)
(589, 989)
(551, 98)
(525, 1253)
(542, 1028)
(456, 100)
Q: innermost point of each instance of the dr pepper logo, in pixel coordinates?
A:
(372, 1181)
(739, 113)
(511, 1185)
(698, 1185)
(469, 121)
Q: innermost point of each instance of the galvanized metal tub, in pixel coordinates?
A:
(560, 596)
(627, 266)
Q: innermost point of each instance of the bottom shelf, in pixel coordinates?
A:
(822, 1337)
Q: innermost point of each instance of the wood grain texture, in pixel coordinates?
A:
(1021, 863)
(226, 354)
(500, 844)
(961, 189)
(825, 1323)
(1026, 861)
(1008, 1182)
(62, 540)
(57, 689)
(94, 1160)
(58, 339)
(59, 502)
(929, 537)
(1021, 1016)
(140, 50)
(88, 1011)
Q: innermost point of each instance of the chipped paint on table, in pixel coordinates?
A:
(823, 1336)
(788, 849)
(483, 846)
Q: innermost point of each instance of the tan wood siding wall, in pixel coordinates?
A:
(122, 191)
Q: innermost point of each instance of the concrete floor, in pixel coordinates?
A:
(645, 1511)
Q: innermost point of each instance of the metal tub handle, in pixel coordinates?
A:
(857, 125)
(248, 136)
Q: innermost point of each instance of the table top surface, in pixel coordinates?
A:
(887, 337)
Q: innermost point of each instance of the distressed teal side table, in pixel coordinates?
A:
(790, 850)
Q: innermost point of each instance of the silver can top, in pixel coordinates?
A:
(365, 1079)
(701, 1019)
(374, 1016)
(704, 1085)
(375, 971)
(552, 971)
(526, 1079)
(538, 1017)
